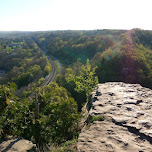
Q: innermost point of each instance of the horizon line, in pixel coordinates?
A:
(69, 30)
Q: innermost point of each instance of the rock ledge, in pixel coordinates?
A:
(128, 119)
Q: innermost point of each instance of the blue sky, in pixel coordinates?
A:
(37, 15)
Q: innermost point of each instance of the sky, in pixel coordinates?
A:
(42, 15)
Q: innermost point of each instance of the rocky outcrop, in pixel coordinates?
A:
(127, 127)
(17, 145)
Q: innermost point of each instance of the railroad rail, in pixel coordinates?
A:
(52, 75)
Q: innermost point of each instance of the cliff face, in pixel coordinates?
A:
(127, 127)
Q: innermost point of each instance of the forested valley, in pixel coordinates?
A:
(51, 114)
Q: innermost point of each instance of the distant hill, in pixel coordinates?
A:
(120, 55)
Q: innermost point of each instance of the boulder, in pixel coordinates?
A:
(19, 144)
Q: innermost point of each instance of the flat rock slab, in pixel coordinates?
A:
(128, 119)
(16, 145)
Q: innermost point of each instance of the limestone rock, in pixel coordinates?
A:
(128, 119)
(16, 145)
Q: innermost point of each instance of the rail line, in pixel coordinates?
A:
(52, 75)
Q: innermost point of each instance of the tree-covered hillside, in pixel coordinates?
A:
(130, 61)
(51, 114)
(23, 63)
(119, 55)
(68, 46)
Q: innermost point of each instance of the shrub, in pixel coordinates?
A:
(54, 118)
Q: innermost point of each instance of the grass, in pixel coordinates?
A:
(94, 118)
(97, 118)
(68, 146)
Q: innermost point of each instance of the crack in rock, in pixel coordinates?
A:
(135, 131)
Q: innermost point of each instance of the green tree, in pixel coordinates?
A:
(47, 69)
(51, 116)
(85, 81)
(6, 94)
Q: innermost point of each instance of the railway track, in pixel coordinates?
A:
(50, 78)
(52, 75)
